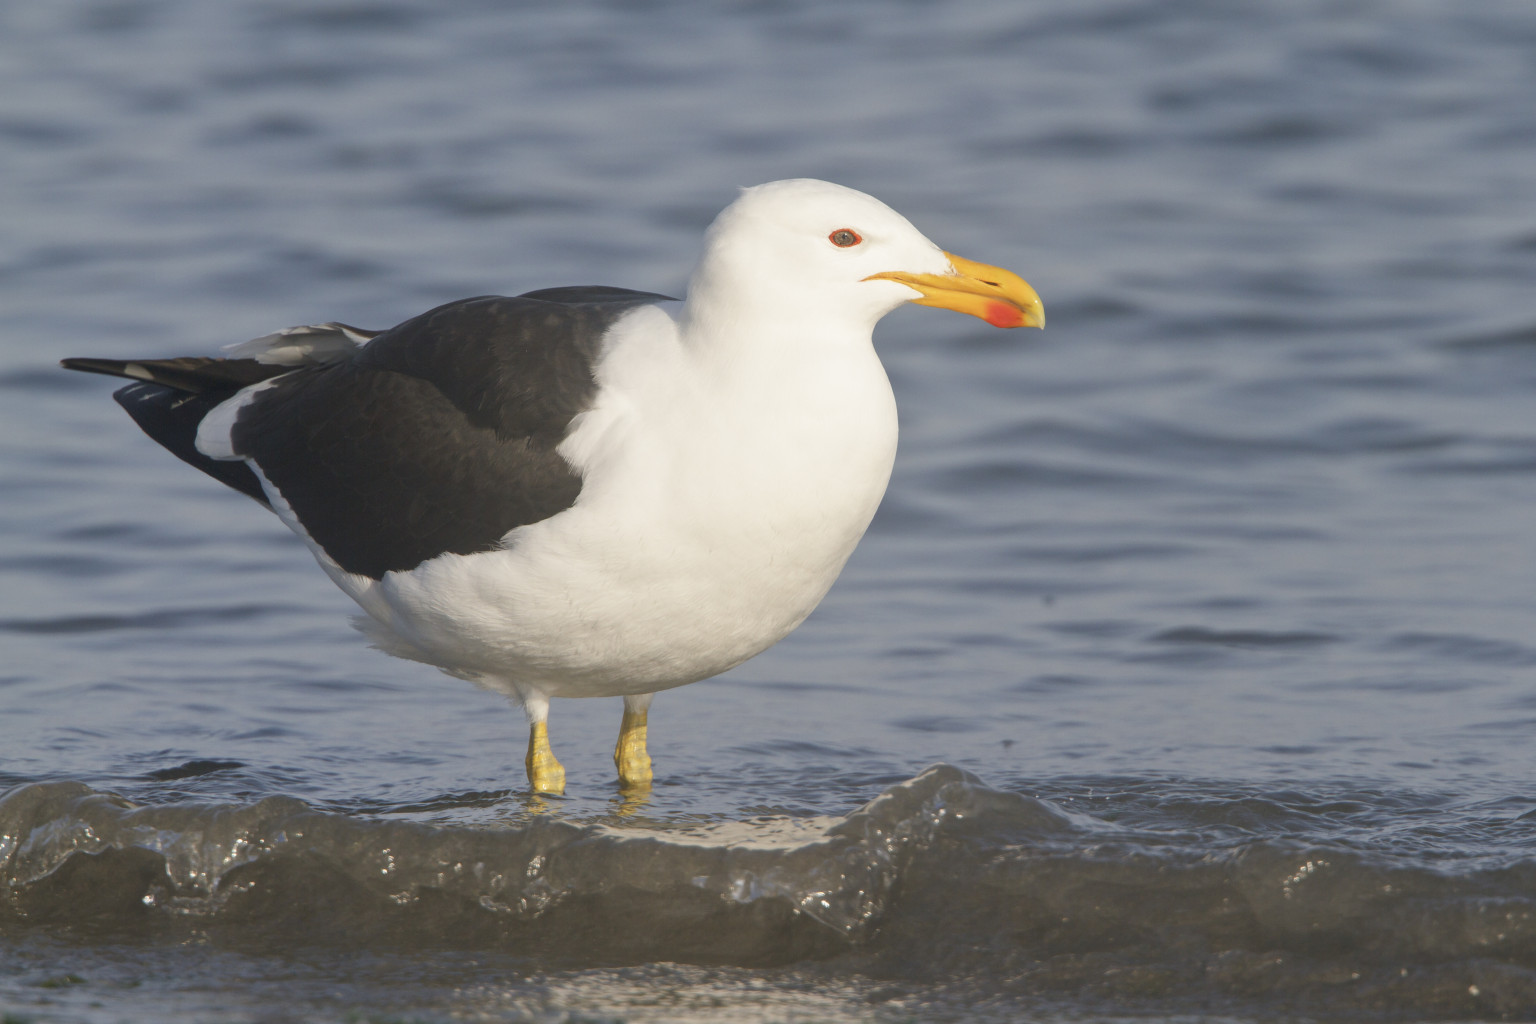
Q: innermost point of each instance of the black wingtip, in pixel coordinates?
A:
(109, 367)
(194, 375)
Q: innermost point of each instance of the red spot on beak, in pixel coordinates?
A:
(1001, 315)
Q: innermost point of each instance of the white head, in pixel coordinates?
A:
(822, 255)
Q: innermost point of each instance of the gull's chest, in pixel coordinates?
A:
(778, 473)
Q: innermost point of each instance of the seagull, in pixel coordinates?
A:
(588, 491)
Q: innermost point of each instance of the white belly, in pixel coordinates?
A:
(710, 524)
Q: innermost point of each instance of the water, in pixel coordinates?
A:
(1213, 602)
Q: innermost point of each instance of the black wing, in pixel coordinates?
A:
(436, 436)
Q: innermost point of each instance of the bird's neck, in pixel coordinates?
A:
(758, 332)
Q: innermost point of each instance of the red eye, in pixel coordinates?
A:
(844, 238)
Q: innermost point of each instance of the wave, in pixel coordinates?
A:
(940, 884)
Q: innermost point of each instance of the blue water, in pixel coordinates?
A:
(1222, 589)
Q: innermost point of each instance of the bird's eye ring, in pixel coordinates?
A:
(845, 238)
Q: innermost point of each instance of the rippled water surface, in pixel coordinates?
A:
(1214, 603)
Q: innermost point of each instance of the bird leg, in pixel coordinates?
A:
(630, 756)
(545, 774)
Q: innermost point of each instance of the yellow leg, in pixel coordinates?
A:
(545, 774)
(630, 756)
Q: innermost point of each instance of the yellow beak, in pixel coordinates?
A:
(1000, 297)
